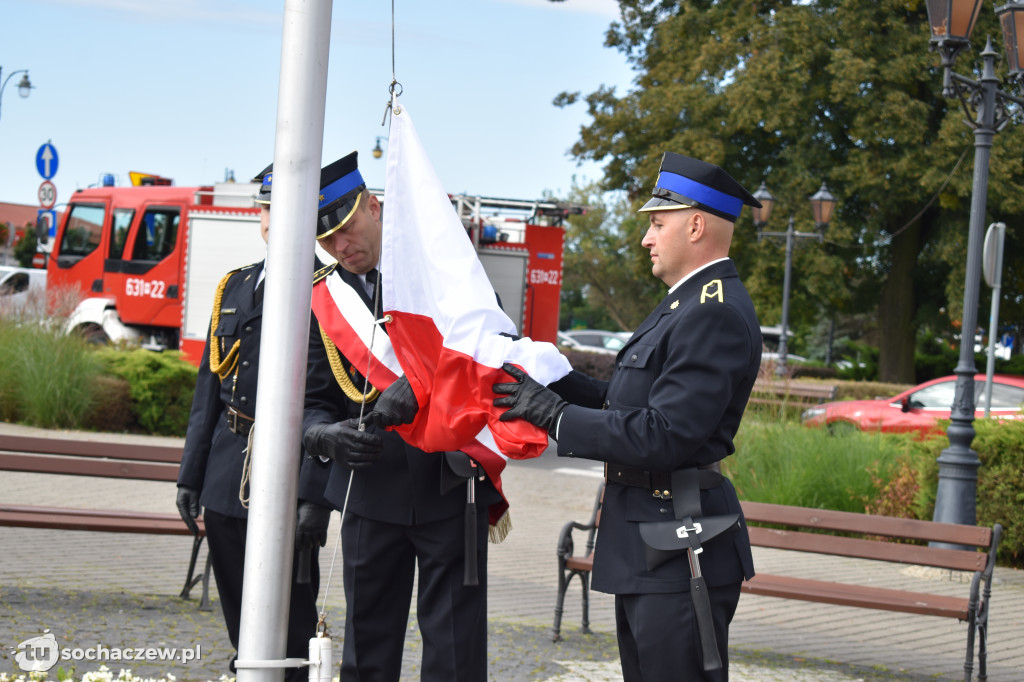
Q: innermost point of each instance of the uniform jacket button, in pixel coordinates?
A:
(248, 330)
(243, 400)
(245, 364)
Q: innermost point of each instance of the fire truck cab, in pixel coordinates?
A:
(133, 253)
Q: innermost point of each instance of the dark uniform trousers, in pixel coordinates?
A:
(648, 627)
(397, 520)
(226, 538)
(674, 401)
(214, 455)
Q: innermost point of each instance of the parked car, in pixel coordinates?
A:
(18, 287)
(594, 340)
(919, 409)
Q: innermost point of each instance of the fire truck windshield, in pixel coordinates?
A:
(83, 231)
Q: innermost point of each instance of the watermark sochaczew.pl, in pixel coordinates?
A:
(39, 654)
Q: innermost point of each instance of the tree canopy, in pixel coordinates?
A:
(794, 94)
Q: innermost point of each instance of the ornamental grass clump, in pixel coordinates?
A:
(47, 378)
(785, 463)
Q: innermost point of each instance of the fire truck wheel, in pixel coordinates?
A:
(94, 334)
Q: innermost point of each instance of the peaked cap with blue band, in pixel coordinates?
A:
(689, 183)
(341, 188)
(265, 177)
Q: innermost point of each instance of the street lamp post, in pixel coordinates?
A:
(951, 24)
(24, 86)
(822, 204)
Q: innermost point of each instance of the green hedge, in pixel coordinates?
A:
(1000, 493)
(161, 387)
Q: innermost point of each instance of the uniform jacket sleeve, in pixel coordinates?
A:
(206, 410)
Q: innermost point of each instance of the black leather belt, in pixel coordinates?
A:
(660, 482)
(239, 422)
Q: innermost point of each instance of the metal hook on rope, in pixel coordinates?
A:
(393, 101)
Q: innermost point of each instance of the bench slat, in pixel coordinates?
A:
(796, 388)
(844, 594)
(94, 520)
(826, 519)
(90, 448)
(107, 468)
(953, 559)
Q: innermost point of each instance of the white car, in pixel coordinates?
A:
(20, 287)
(594, 340)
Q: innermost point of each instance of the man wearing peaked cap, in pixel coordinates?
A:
(341, 192)
(406, 508)
(213, 460)
(673, 546)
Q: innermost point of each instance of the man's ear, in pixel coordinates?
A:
(696, 226)
(374, 204)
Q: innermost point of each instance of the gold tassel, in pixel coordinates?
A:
(497, 533)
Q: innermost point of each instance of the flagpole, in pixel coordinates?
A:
(302, 94)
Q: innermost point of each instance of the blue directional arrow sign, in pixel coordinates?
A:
(46, 161)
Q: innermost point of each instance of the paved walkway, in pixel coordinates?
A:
(107, 590)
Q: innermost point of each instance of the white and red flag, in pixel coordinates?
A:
(446, 332)
(447, 329)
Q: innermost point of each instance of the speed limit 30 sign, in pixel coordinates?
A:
(47, 194)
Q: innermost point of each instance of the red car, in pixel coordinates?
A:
(919, 409)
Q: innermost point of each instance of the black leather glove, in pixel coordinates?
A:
(311, 521)
(188, 507)
(344, 442)
(529, 400)
(396, 405)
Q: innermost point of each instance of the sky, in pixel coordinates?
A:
(187, 89)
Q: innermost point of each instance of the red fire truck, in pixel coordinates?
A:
(146, 260)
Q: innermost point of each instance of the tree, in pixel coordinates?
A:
(25, 247)
(796, 93)
(604, 277)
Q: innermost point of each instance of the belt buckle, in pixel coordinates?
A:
(233, 420)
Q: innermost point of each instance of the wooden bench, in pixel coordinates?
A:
(863, 536)
(787, 393)
(107, 460)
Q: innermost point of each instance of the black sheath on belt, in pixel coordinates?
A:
(705, 623)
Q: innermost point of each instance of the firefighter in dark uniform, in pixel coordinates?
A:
(214, 459)
(406, 507)
(673, 546)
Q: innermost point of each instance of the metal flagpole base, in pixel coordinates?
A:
(319, 661)
(272, 663)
